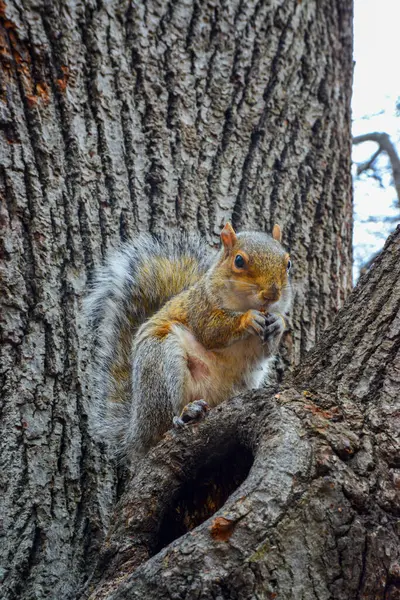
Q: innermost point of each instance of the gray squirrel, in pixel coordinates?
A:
(179, 328)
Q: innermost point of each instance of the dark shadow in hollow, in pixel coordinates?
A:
(199, 498)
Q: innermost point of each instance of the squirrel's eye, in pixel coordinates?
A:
(289, 265)
(239, 261)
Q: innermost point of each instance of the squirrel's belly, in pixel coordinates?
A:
(215, 375)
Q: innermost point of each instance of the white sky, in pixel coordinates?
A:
(376, 90)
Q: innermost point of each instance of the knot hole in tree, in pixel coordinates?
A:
(201, 496)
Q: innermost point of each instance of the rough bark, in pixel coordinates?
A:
(315, 513)
(117, 117)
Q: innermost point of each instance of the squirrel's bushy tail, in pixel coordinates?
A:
(134, 282)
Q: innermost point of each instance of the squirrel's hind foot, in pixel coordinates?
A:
(192, 412)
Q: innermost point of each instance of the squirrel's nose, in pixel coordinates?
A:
(272, 294)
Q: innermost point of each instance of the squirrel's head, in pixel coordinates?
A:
(255, 268)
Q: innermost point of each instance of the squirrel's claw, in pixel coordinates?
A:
(274, 326)
(256, 322)
(178, 423)
(194, 411)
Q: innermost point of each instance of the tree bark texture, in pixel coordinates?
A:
(315, 513)
(118, 117)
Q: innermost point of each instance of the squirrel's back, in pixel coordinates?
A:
(135, 281)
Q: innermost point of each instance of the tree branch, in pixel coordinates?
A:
(185, 461)
(385, 145)
(365, 166)
(364, 335)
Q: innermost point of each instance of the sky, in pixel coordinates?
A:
(375, 92)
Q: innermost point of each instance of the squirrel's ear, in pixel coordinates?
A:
(228, 237)
(277, 233)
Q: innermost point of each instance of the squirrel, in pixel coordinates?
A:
(178, 329)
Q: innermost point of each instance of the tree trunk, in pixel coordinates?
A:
(119, 117)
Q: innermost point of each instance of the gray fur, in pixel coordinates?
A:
(112, 305)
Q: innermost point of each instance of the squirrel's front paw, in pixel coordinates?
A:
(274, 326)
(254, 322)
(194, 411)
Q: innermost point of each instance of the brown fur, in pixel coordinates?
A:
(214, 332)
